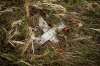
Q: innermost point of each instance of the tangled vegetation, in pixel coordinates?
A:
(79, 42)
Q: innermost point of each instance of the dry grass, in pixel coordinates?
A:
(78, 46)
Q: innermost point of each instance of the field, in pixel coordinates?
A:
(49, 33)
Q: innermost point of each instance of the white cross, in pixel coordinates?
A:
(49, 33)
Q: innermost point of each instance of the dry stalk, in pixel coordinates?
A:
(29, 22)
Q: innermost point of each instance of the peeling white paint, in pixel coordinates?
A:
(43, 24)
(49, 33)
(47, 36)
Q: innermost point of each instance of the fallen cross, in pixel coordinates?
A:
(49, 33)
